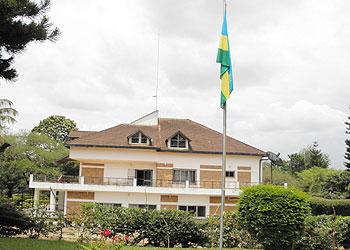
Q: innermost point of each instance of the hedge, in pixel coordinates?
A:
(273, 215)
(321, 206)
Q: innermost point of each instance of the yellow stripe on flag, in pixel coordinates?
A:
(223, 43)
(225, 85)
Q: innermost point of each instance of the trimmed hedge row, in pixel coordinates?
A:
(321, 206)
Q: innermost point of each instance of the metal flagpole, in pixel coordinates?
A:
(223, 172)
(223, 169)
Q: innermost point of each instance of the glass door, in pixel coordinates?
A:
(144, 177)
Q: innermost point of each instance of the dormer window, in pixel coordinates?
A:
(139, 138)
(178, 141)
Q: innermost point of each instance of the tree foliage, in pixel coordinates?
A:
(311, 180)
(21, 22)
(55, 126)
(315, 158)
(274, 215)
(307, 158)
(29, 153)
(7, 113)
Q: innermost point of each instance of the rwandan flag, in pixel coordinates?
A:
(224, 58)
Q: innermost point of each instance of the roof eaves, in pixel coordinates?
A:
(112, 146)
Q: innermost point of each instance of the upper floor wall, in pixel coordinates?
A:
(117, 162)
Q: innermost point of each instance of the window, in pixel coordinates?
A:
(138, 138)
(143, 206)
(230, 173)
(110, 205)
(178, 142)
(198, 211)
(183, 175)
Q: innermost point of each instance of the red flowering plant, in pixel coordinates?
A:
(109, 241)
(107, 232)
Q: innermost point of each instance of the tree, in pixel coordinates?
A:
(7, 113)
(311, 180)
(29, 154)
(315, 158)
(21, 22)
(307, 158)
(347, 142)
(295, 164)
(55, 126)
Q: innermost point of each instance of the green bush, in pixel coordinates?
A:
(321, 206)
(312, 180)
(336, 186)
(274, 215)
(324, 231)
(13, 221)
(159, 227)
(234, 235)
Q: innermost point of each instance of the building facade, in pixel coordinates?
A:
(153, 163)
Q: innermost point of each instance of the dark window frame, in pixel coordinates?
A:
(230, 174)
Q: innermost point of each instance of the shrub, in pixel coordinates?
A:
(234, 235)
(321, 232)
(311, 180)
(13, 221)
(336, 185)
(321, 206)
(164, 227)
(273, 215)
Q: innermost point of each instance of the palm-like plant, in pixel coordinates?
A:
(7, 113)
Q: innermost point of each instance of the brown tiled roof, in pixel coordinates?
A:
(202, 139)
(77, 134)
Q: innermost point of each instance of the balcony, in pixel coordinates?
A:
(131, 184)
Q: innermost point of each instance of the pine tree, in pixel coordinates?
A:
(315, 157)
(347, 142)
(21, 22)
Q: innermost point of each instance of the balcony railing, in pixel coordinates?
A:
(134, 182)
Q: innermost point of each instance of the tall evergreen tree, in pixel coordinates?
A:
(21, 22)
(315, 157)
(347, 142)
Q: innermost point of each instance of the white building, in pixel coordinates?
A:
(155, 163)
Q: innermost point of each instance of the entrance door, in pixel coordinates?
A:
(144, 177)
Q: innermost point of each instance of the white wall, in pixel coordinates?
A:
(127, 198)
(117, 161)
(120, 169)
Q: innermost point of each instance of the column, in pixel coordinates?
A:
(52, 200)
(36, 198)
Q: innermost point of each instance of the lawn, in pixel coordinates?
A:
(30, 244)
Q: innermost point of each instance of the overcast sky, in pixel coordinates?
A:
(291, 66)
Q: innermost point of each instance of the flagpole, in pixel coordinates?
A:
(223, 168)
(223, 173)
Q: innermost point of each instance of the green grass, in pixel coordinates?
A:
(31, 244)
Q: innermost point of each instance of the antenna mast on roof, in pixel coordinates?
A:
(157, 73)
